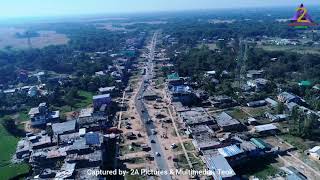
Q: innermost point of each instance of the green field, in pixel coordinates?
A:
(83, 101)
(297, 49)
(7, 149)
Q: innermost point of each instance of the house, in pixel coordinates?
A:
(266, 129)
(92, 138)
(205, 141)
(219, 166)
(252, 74)
(106, 90)
(210, 73)
(41, 115)
(286, 97)
(252, 121)
(258, 84)
(314, 153)
(66, 172)
(260, 144)
(64, 128)
(181, 93)
(230, 151)
(196, 116)
(222, 101)
(228, 123)
(271, 102)
(305, 83)
(174, 79)
(256, 103)
(277, 117)
(99, 100)
(87, 112)
(23, 149)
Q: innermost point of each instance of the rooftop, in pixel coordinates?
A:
(101, 96)
(230, 151)
(225, 119)
(265, 127)
(60, 128)
(87, 112)
(219, 163)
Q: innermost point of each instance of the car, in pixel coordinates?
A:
(173, 146)
(153, 141)
(149, 121)
(158, 154)
(153, 131)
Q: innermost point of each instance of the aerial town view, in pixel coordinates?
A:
(160, 90)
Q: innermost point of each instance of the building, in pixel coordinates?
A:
(64, 128)
(258, 84)
(277, 117)
(228, 123)
(286, 97)
(181, 93)
(230, 151)
(87, 112)
(260, 144)
(314, 153)
(218, 164)
(196, 116)
(106, 90)
(266, 129)
(205, 141)
(99, 100)
(252, 74)
(256, 103)
(271, 102)
(41, 115)
(222, 101)
(174, 79)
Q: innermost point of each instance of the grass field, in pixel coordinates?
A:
(298, 49)
(297, 142)
(7, 149)
(83, 101)
(239, 114)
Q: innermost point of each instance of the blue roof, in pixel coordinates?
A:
(230, 151)
(92, 138)
(219, 163)
(180, 89)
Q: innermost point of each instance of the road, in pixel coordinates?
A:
(144, 115)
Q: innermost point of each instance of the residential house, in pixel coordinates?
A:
(228, 123)
(99, 100)
(41, 115)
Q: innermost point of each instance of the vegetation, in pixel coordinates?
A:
(7, 149)
(303, 125)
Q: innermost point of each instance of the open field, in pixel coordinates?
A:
(298, 49)
(8, 38)
(7, 149)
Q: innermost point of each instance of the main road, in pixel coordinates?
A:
(144, 115)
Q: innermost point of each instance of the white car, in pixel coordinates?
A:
(173, 146)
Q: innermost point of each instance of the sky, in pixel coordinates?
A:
(41, 8)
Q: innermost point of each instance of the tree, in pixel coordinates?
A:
(280, 108)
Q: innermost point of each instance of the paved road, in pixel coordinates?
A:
(144, 115)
